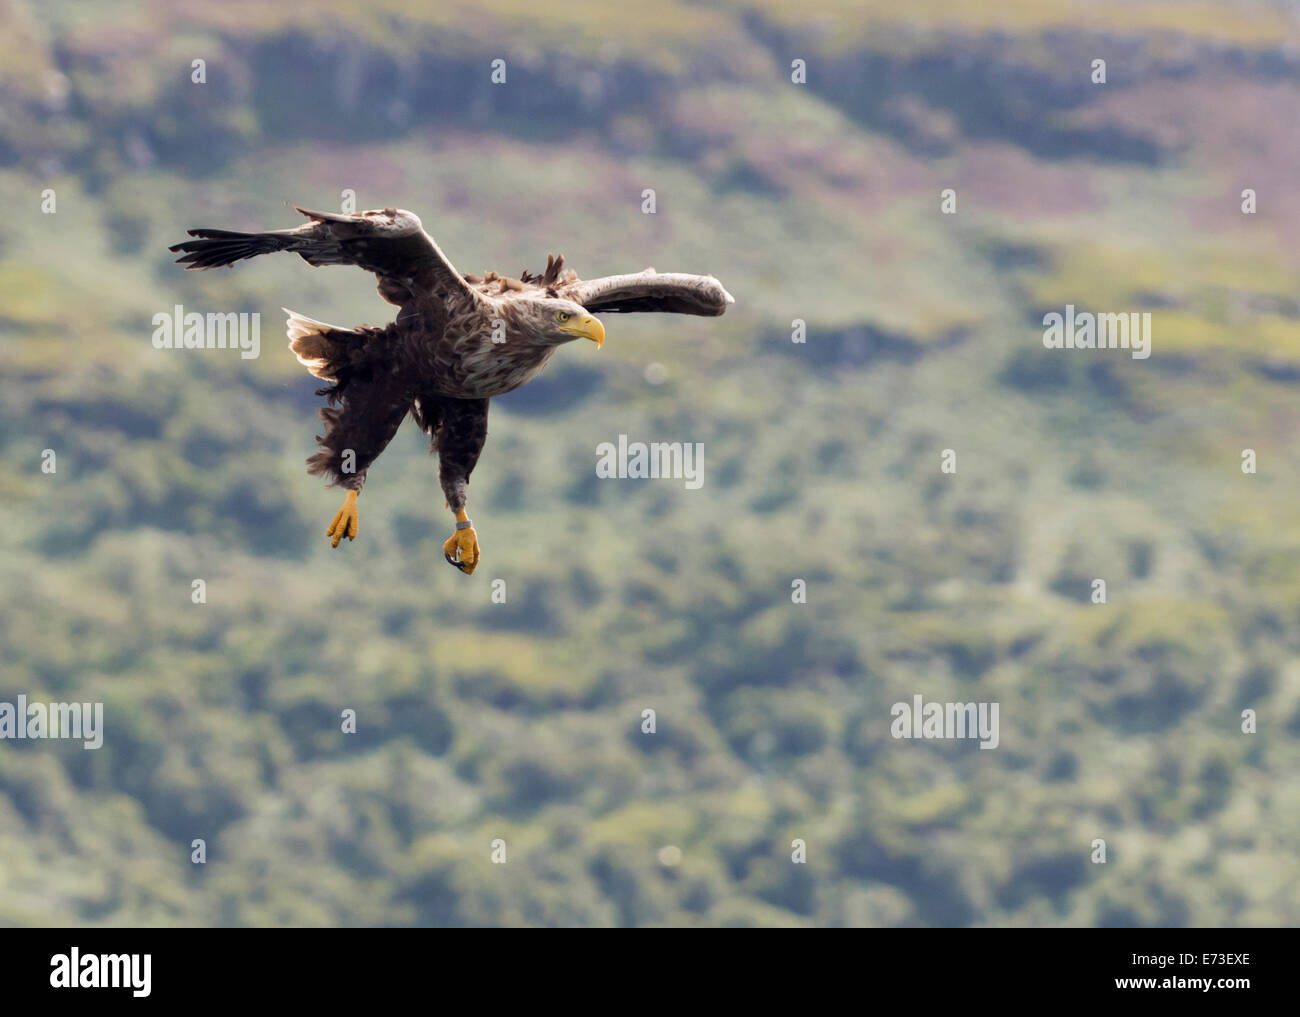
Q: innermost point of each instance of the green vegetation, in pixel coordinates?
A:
(522, 721)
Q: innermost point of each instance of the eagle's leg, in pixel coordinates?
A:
(461, 548)
(345, 521)
(366, 409)
(459, 429)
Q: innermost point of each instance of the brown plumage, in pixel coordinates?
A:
(456, 342)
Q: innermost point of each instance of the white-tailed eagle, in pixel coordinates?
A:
(457, 341)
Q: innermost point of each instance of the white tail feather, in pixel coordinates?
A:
(309, 343)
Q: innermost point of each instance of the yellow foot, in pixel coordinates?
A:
(345, 521)
(461, 550)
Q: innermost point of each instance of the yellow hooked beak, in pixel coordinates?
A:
(586, 327)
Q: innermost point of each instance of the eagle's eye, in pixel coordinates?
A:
(563, 315)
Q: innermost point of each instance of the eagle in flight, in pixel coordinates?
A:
(457, 341)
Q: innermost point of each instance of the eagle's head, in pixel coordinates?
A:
(551, 321)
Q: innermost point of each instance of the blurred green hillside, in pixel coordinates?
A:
(522, 721)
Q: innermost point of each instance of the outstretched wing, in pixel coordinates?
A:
(668, 292)
(390, 242)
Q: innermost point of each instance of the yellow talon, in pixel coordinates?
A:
(345, 521)
(461, 548)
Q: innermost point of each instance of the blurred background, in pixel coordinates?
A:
(522, 721)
